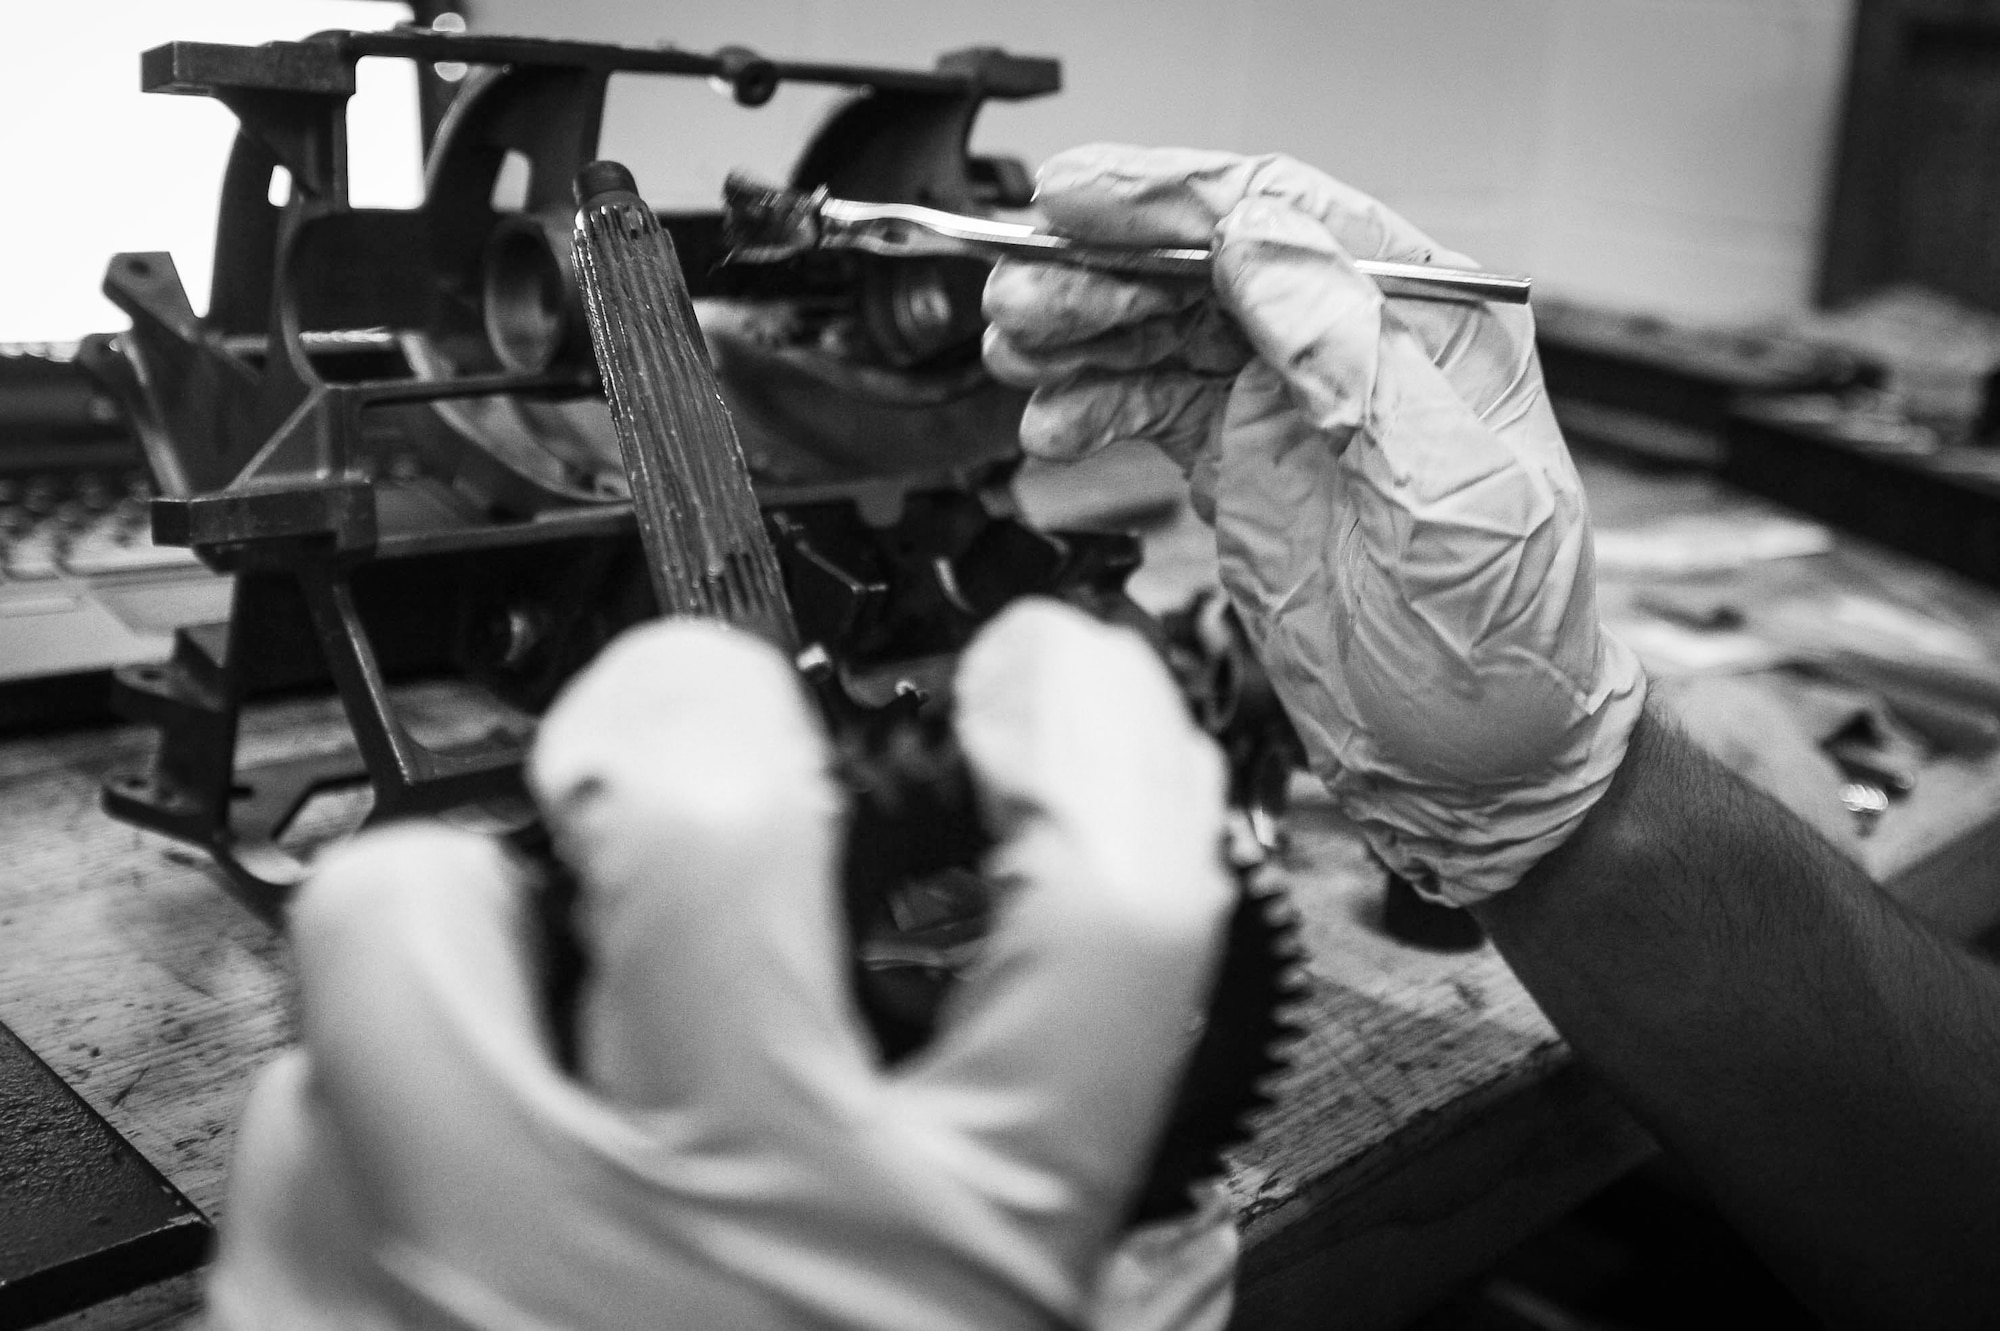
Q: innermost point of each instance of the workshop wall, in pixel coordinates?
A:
(1649, 154)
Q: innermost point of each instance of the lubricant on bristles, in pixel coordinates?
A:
(762, 222)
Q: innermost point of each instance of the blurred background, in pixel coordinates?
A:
(1659, 154)
(1668, 155)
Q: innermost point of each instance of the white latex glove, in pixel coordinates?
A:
(1397, 519)
(737, 1157)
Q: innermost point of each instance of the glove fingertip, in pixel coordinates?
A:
(408, 930)
(663, 691)
(393, 886)
(1080, 721)
(1149, 196)
(1056, 427)
(1007, 362)
(1086, 162)
(1012, 293)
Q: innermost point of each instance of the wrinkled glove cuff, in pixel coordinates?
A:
(1461, 846)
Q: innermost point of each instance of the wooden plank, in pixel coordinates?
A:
(1388, 1233)
(123, 967)
(126, 968)
(1433, 1118)
(160, 998)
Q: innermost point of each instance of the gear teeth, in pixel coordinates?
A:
(1232, 1078)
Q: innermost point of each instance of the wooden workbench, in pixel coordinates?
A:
(1433, 1117)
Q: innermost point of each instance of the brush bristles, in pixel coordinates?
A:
(757, 217)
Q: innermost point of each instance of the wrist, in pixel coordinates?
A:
(1460, 843)
(1623, 918)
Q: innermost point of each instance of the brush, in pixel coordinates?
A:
(766, 224)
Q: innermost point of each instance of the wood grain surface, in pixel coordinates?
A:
(132, 973)
(1433, 1116)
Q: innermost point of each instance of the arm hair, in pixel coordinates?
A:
(1828, 1065)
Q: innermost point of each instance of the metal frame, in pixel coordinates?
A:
(293, 448)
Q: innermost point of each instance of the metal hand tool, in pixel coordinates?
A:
(765, 224)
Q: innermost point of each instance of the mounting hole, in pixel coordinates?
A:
(527, 296)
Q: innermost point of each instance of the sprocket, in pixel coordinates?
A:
(914, 934)
(919, 911)
(1243, 1049)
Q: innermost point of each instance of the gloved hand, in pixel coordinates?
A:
(1396, 517)
(737, 1157)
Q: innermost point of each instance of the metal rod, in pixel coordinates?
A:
(908, 229)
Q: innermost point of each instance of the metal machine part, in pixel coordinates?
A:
(387, 426)
(918, 927)
(388, 429)
(481, 310)
(917, 902)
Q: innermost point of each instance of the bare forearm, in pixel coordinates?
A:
(1828, 1065)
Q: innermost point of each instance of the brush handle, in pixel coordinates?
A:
(1410, 281)
(706, 545)
(910, 229)
(1422, 281)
